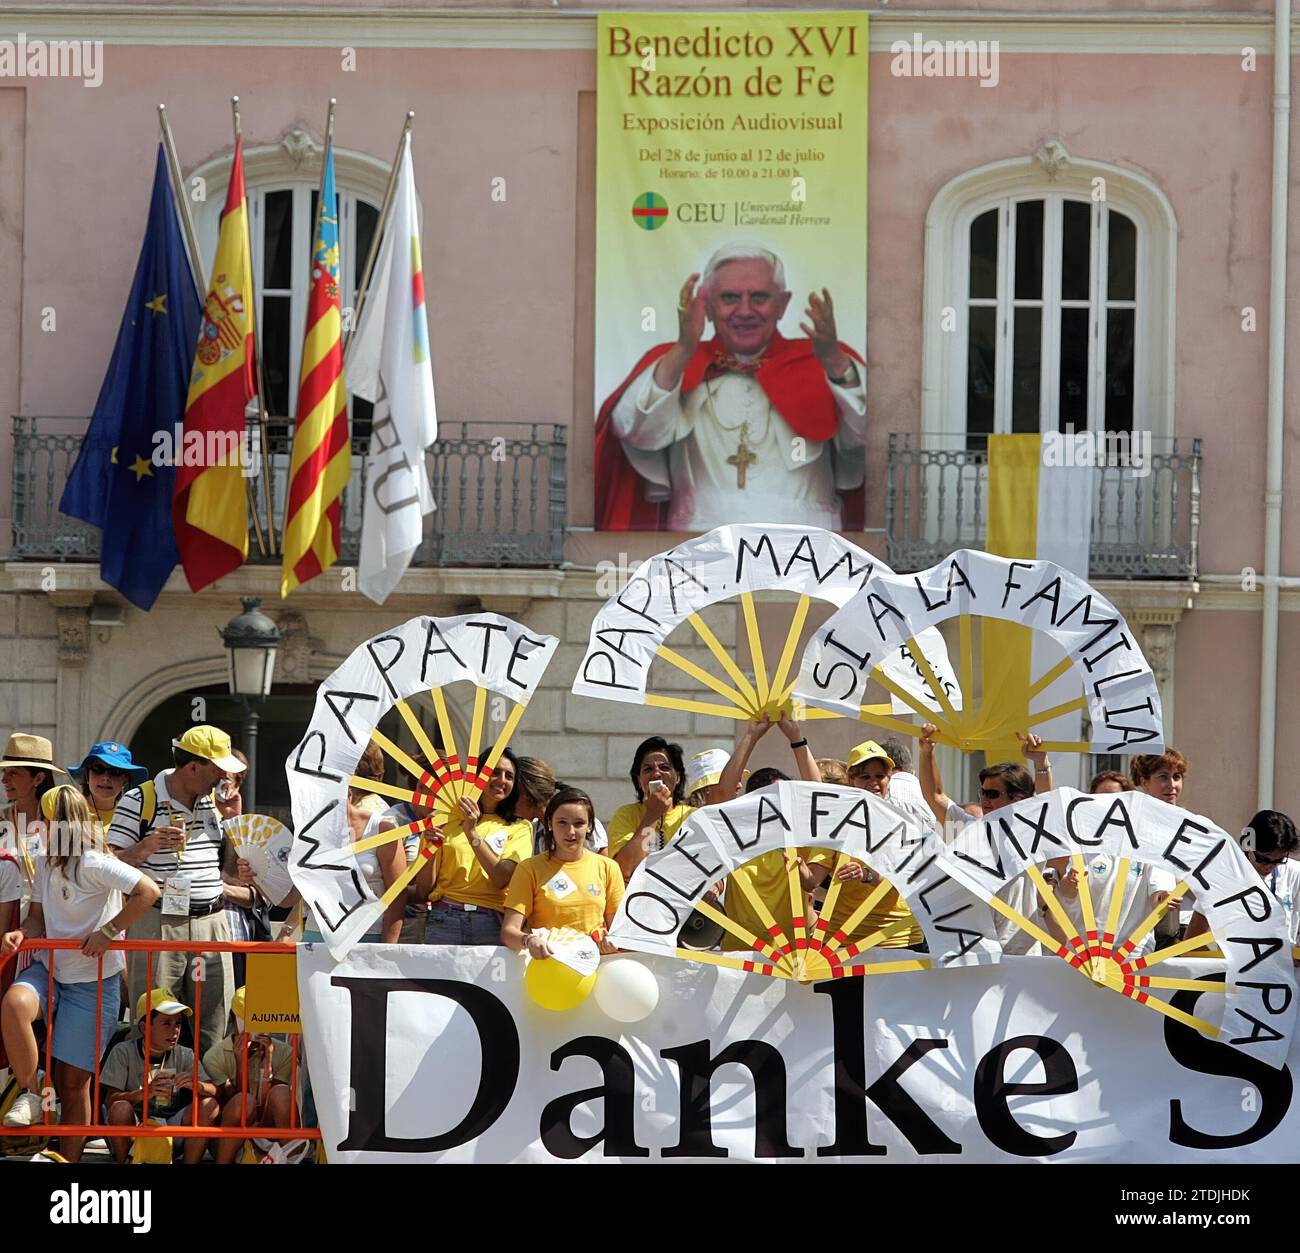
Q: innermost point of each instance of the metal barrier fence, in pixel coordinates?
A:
(95, 1130)
(1144, 525)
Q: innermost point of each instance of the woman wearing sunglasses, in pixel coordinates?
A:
(1270, 842)
(104, 774)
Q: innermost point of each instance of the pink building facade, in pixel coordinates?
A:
(1171, 107)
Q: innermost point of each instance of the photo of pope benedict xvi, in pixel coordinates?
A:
(745, 427)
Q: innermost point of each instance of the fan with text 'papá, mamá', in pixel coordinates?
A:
(478, 670)
(741, 563)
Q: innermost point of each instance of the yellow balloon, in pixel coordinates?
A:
(553, 985)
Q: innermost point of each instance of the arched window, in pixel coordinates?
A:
(282, 183)
(1049, 301)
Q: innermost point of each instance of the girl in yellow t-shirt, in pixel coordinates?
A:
(465, 881)
(566, 886)
(659, 776)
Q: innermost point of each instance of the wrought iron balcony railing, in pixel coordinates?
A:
(501, 490)
(1144, 524)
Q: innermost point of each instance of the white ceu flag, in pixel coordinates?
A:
(389, 364)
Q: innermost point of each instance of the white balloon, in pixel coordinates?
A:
(626, 991)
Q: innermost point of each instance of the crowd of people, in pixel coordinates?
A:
(112, 852)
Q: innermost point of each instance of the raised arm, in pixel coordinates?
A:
(804, 761)
(734, 770)
(928, 773)
(1032, 747)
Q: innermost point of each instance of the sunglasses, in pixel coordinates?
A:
(98, 767)
(1260, 860)
(990, 795)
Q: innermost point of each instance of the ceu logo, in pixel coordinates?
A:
(593, 890)
(650, 211)
(1100, 865)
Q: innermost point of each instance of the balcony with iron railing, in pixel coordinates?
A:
(501, 490)
(1145, 518)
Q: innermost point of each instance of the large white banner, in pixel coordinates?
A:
(437, 1055)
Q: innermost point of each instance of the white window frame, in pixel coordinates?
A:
(293, 164)
(1051, 175)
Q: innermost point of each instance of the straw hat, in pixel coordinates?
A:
(33, 751)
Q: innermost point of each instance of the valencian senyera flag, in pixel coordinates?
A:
(209, 509)
(117, 484)
(389, 363)
(322, 455)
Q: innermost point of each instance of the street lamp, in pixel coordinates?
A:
(252, 639)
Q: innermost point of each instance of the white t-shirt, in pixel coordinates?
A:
(11, 881)
(1020, 894)
(1284, 882)
(79, 903)
(1139, 885)
(905, 786)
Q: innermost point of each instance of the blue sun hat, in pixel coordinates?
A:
(117, 757)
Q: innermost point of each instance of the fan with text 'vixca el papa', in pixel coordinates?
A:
(1120, 862)
(482, 666)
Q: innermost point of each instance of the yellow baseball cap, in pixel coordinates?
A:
(237, 1007)
(211, 743)
(163, 1001)
(866, 751)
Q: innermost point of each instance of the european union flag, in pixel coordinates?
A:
(117, 483)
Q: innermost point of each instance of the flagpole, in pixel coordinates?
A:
(182, 202)
(196, 267)
(257, 349)
(385, 212)
(320, 208)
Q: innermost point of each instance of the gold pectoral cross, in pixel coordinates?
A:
(744, 456)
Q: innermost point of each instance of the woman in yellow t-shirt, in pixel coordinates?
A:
(659, 775)
(566, 886)
(465, 881)
(870, 768)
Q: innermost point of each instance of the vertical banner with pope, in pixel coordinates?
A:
(731, 270)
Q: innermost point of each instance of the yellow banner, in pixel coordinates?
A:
(1012, 532)
(271, 993)
(720, 132)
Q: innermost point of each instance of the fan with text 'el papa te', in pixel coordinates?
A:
(498, 660)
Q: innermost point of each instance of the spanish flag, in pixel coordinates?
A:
(322, 453)
(209, 509)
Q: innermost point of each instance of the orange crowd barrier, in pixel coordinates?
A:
(97, 1130)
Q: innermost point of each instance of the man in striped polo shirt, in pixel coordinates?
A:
(181, 847)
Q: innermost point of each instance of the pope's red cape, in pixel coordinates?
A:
(792, 379)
